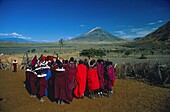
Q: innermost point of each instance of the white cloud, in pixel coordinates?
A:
(133, 30)
(82, 25)
(160, 21)
(120, 32)
(151, 23)
(154, 28)
(14, 35)
(129, 37)
(144, 32)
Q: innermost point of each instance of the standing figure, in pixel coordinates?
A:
(31, 85)
(100, 71)
(41, 81)
(15, 65)
(71, 69)
(62, 91)
(111, 79)
(81, 80)
(92, 78)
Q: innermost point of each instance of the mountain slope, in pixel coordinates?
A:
(96, 35)
(15, 40)
(161, 34)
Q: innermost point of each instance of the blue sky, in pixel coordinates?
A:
(51, 20)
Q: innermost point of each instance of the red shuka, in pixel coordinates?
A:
(42, 85)
(81, 80)
(32, 81)
(71, 70)
(92, 79)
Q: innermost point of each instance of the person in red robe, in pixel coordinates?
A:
(92, 78)
(15, 65)
(34, 61)
(111, 79)
(62, 91)
(100, 71)
(42, 83)
(71, 69)
(32, 81)
(81, 80)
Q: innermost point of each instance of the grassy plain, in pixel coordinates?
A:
(73, 50)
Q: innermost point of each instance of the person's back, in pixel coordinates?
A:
(111, 79)
(92, 78)
(100, 71)
(15, 65)
(62, 91)
(81, 80)
(71, 70)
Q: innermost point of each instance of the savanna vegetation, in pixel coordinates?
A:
(140, 65)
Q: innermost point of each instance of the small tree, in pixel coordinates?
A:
(61, 43)
(33, 50)
(142, 56)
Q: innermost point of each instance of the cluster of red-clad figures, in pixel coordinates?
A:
(61, 80)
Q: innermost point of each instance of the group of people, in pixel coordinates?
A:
(61, 80)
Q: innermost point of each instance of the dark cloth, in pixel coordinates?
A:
(32, 81)
(111, 73)
(92, 79)
(100, 71)
(27, 81)
(62, 90)
(71, 70)
(15, 67)
(42, 85)
(109, 83)
(81, 80)
(34, 61)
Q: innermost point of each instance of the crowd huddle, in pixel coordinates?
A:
(61, 80)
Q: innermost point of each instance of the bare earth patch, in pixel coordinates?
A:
(129, 95)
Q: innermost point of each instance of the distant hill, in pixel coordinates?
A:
(162, 34)
(137, 38)
(14, 40)
(96, 35)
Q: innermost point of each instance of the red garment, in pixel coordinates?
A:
(62, 90)
(111, 76)
(50, 58)
(100, 71)
(55, 67)
(81, 80)
(71, 70)
(32, 80)
(92, 79)
(15, 66)
(43, 58)
(111, 73)
(42, 85)
(34, 61)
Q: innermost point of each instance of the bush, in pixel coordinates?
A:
(142, 56)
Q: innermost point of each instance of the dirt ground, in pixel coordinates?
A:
(129, 96)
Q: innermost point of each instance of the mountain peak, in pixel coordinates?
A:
(97, 34)
(97, 28)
